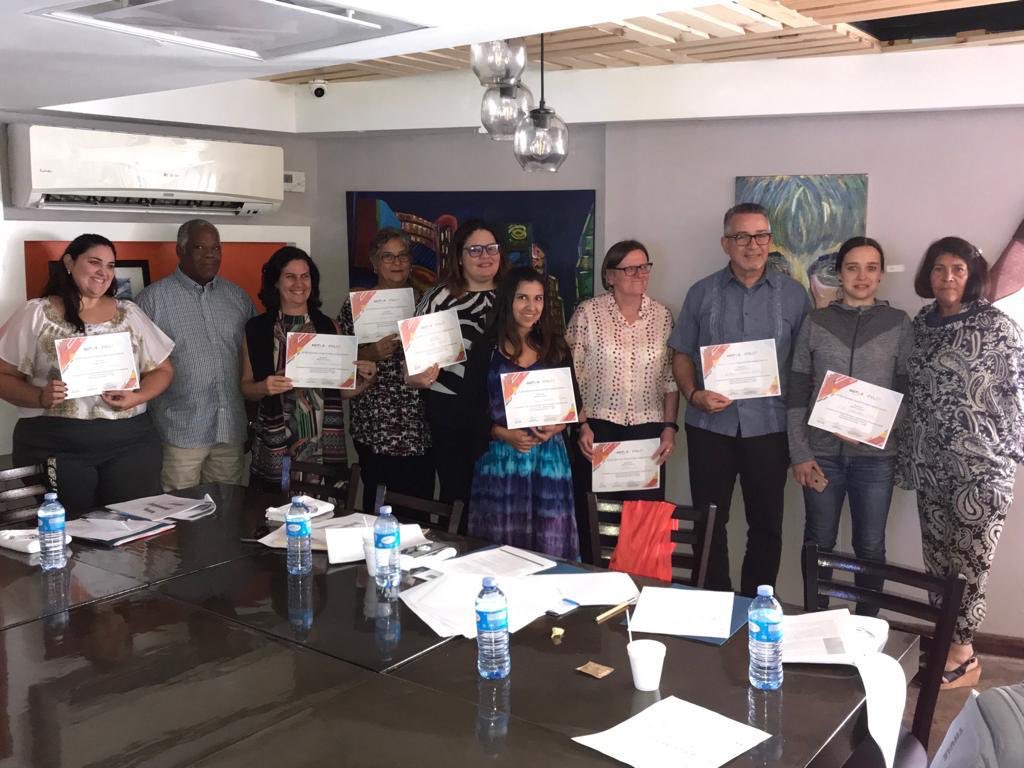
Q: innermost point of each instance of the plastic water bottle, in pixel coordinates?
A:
(51, 533)
(300, 544)
(764, 628)
(492, 656)
(386, 541)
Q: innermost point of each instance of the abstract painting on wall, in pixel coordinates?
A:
(811, 217)
(552, 230)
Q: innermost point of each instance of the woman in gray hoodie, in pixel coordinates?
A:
(859, 336)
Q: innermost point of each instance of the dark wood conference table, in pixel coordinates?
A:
(194, 648)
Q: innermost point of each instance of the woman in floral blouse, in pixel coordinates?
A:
(104, 446)
(388, 424)
(966, 425)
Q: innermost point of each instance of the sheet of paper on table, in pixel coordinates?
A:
(162, 506)
(278, 538)
(447, 604)
(345, 543)
(607, 588)
(113, 532)
(317, 508)
(675, 732)
(667, 611)
(500, 562)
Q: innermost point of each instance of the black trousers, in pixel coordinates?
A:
(452, 448)
(411, 475)
(606, 432)
(99, 461)
(762, 464)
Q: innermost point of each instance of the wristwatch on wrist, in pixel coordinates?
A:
(667, 424)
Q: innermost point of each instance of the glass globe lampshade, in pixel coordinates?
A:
(498, 62)
(502, 108)
(541, 141)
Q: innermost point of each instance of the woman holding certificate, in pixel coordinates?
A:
(966, 428)
(295, 422)
(522, 484)
(860, 338)
(389, 422)
(468, 288)
(80, 366)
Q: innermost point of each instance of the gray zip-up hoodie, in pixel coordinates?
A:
(868, 343)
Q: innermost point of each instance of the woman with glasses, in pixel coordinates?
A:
(389, 422)
(468, 288)
(860, 336)
(619, 349)
(522, 483)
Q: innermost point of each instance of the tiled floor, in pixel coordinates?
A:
(995, 671)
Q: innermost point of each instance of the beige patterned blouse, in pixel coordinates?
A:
(624, 369)
(27, 343)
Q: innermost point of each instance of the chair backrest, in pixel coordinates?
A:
(692, 539)
(21, 493)
(427, 512)
(941, 617)
(337, 484)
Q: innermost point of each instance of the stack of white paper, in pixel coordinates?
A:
(695, 612)
(675, 732)
(114, 532)
(447, 604)
(278, 538)
(607, 588)
(164, 506)
(500, 562)
(317, 508)
(345, 543)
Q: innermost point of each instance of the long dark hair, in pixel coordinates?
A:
(453, 278)
(64, 287)
(545, 337)
(269, 295)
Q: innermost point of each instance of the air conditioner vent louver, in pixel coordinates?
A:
(110, 201)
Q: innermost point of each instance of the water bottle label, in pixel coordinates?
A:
(299, 528)
(385, 540)
(491, 621)
(765, 631)
(54, 524)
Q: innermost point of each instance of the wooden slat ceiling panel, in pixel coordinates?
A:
(729, 30)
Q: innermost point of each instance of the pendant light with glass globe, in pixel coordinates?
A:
(541, 140)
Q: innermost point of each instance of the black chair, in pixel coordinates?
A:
(338, 484)
(913, 744)
(21, 492)
(427, 512)
(697, 525)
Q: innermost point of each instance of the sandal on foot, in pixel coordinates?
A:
(966, 674)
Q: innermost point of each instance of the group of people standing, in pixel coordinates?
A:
(201, 350)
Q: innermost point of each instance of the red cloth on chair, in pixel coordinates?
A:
(645, 545)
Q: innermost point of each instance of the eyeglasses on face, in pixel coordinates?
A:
(743, 238)
(476, 251)
(403, 257)
(639, 269)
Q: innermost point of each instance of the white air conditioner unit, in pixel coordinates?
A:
(86, 170)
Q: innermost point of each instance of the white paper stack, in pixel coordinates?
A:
(695, 612)
(345, 543)
(278, 539)
(499, 562)
(608, 588)
(317, 508)
(113, 532)
(165, 506)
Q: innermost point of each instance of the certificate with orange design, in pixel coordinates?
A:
(538, 398)
(626, 466)
(433, 338)
(855, 409)
(375, 313)
(741, 370)
(92, 365)
(321, 360)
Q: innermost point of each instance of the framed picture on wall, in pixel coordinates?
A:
(130, 277)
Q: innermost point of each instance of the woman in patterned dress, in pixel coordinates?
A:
(522, 485)
(389, 422)
(965, 430)
(292, 423)
(104, 446)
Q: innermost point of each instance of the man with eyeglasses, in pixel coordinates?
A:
(201, 417)
(744, 301)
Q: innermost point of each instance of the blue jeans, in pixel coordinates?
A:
(868, 481)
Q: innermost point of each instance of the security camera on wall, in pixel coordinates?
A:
(318, 88)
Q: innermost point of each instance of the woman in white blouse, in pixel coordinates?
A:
(105, 447)
(620, 353)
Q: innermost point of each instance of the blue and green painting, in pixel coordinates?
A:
(811, 216)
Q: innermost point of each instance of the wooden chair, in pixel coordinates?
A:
(21, 492)
(696, 529)
(427, 512)
(818, 583)
(338, 484)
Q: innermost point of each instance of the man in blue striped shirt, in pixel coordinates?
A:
(201, 416)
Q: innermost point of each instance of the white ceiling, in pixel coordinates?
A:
(45, 62)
